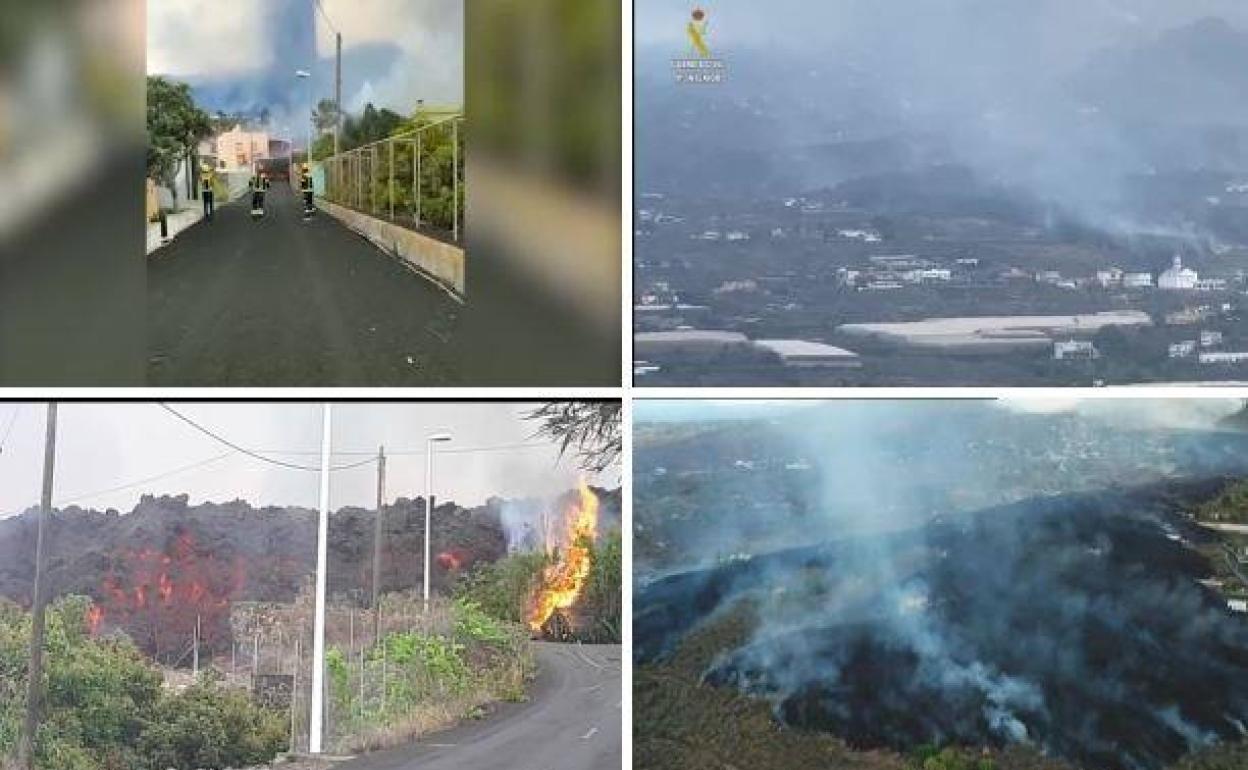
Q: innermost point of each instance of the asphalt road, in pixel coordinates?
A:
(572, 721)
(288, 302)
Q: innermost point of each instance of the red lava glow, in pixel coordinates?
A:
(158, 596)
(453, 559)
(95, 616)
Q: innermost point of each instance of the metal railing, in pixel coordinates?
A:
(415, 179)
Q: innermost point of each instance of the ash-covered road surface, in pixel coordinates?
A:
(283, 301)
(572, 721)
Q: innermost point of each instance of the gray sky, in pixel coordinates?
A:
(103, 446)
(806, 26)
(238, 53)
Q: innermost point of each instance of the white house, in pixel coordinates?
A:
(1178, 278)
(1074, 350)
(1110, 277)
(1184, 349)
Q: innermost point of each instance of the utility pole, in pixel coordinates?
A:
(195, 655)
(317, 722)
(377, 534)
(337, 91)
(34, 682)
(294, 695)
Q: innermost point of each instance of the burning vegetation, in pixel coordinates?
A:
(564, 578)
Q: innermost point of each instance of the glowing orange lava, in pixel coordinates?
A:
(95, 616)
(161, 596)
(562, 581)
(450, 560)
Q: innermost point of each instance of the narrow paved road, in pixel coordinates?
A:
(572, 721)
(283, 301)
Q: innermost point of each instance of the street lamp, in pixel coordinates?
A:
(316, 721)
(429, 442)
(311, 108)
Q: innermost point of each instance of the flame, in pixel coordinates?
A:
(159, 596)
(562, 581)
(450, 560)
(95, 616)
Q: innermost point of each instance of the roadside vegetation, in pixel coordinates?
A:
(416, 681)
(106, 708)
(438, 146)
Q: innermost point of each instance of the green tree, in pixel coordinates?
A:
(371, 125)
(174, 126)
(503, 589)
(105, 708)
(603, 594)
(589, 429)
(210, 727)
(325, 116)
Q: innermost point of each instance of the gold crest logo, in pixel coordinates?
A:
(697, 31)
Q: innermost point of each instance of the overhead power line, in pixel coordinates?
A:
(254, 454)
(325, 16)
(77, 498)
(8, 429)
(409, 452)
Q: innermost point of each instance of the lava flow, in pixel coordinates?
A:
(159, 596)
(563, 580)
(453, 559)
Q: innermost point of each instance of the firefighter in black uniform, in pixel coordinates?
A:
(258, 185)
(205, 189)
(305, 186)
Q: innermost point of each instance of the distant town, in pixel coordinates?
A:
(816, 290)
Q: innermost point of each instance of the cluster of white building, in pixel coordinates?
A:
(893, 272)
(1075, 350)
(732, 236)
(1204, 350)
(1175, 278)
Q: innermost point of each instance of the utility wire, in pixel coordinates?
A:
(409, 452)
(371, 457)
(325, 16)
(257, 455)
(77, 498)
(8, 430)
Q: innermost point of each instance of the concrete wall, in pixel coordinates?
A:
(440, 261)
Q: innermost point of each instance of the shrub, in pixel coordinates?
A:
(473, 624)
(503, 589)
(210, 727)
(105, 708)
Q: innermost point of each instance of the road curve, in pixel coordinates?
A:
(572, 721)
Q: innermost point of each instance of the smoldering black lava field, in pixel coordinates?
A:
(1075, 626)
